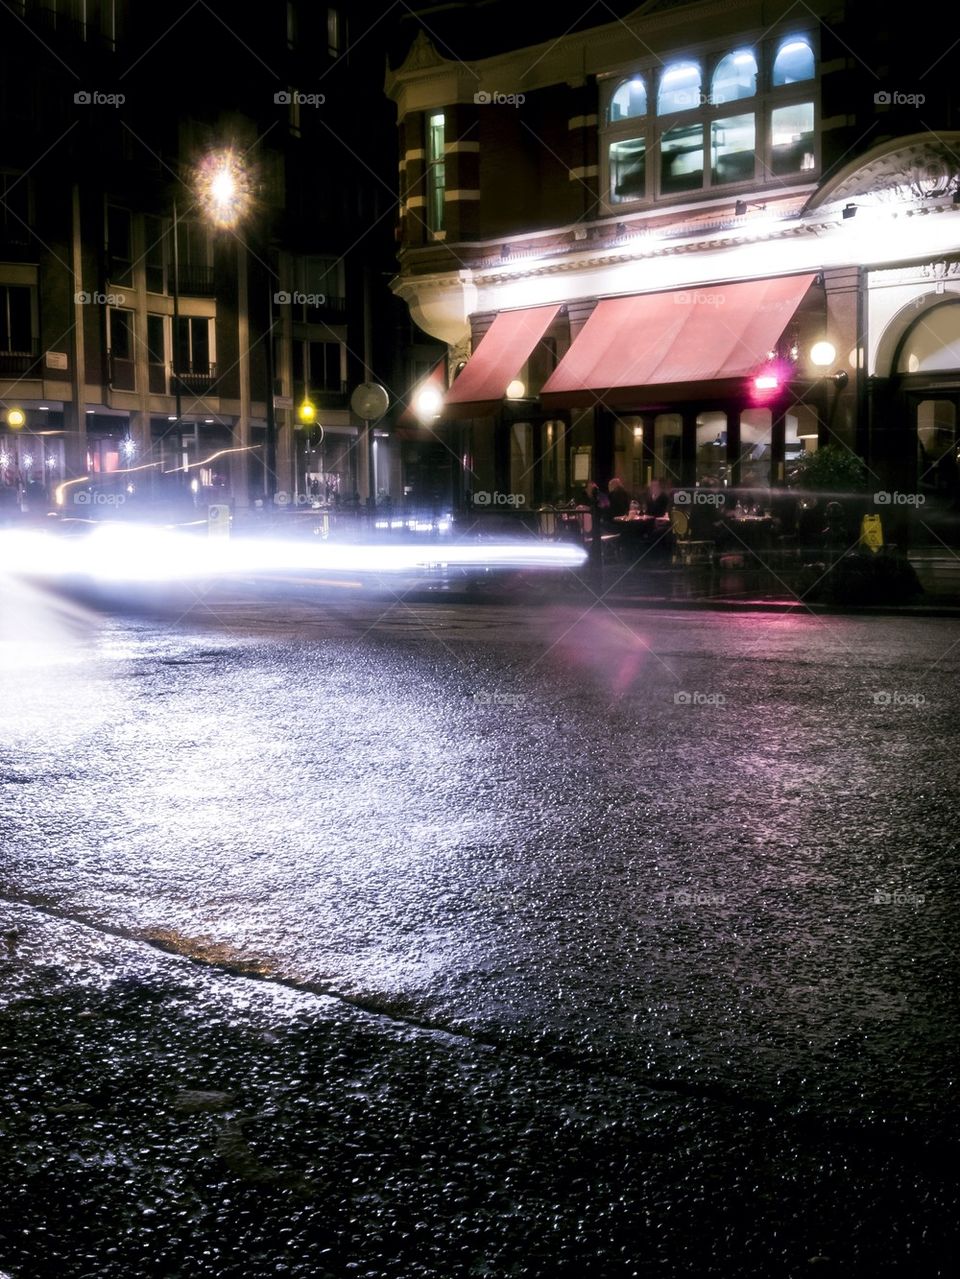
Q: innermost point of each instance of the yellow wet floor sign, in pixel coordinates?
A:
(871, 532)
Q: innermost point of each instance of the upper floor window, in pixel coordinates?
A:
(629, 101)
(794, 62)
(680, 88)
(734, 78)
(119, 245)
(699, 141)
(14, 208)
(16, 328)
(334, 33)
(436, 172)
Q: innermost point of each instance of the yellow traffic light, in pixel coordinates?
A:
(307, 412)
(16, 417)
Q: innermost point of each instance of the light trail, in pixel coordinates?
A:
(138, 554)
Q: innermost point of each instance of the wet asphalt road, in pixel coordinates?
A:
(643, 923)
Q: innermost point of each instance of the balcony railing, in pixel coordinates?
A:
(20, 363)
(197, 281)
(333, 311)
(196, 379)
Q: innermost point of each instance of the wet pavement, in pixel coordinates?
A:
(359, 937)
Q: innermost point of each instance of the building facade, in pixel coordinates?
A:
(146, 352)
(691, 244)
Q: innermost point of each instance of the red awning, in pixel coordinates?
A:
(667, 339)
(500, 355)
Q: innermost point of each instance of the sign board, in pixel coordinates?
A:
(283, 401)
(56, 360)
(581, 466)
(871, 532)
(218, 520)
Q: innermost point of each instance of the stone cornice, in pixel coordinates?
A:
(426, 79)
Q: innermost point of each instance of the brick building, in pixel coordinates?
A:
(689, 244)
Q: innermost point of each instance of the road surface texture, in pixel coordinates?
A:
(347, 937)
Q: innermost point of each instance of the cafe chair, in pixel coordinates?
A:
(686, 549)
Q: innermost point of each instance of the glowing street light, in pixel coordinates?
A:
(222, 184)
(16, 418)
(429, 403)
(307, 412)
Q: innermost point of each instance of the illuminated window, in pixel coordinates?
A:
(733, 154)
(734, 78)
(681, 158)
(704, 142)
(629, 101)
(680, 88)
(792, 139)
(628, 172)
(436, 173)
(794, 62)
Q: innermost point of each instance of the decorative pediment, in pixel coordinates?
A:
(422, 54)
(904, 170)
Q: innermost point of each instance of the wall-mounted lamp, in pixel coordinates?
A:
(849, 211)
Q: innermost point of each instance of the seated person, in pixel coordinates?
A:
(658, 499)
(618, 498)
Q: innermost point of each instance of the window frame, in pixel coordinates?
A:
(652, 127)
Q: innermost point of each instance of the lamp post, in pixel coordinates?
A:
(223, 187)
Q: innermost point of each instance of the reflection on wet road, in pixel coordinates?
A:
(704, 852)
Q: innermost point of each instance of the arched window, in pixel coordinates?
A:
(680, 88)
(794, 62)
(734, 78)
(933, 343)
(629, 101)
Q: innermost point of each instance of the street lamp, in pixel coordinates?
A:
(221, 184)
